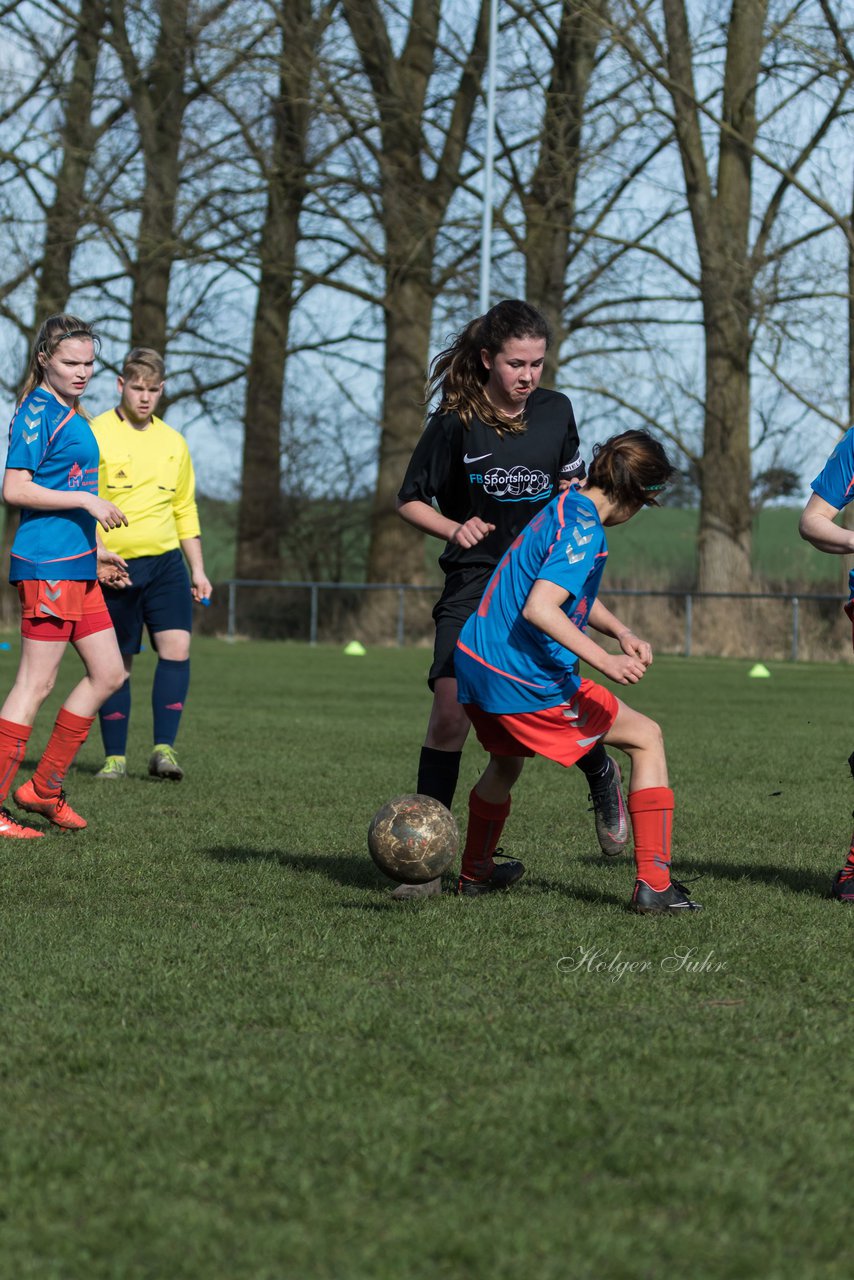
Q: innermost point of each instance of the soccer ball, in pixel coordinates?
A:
(413, 839)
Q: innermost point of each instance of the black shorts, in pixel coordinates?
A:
(159, 599)
(461, 596)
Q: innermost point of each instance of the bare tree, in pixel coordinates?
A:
(417, 142)
(285, 167)
(68, 208)
(722, 141)
(549, 201)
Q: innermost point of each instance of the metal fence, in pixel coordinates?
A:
(781, 625)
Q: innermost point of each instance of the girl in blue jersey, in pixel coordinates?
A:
(52, 475)
(833, 489)
(495, 452)
(517, 671)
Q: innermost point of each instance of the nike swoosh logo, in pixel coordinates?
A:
(479, 457)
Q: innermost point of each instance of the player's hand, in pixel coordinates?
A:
(201, 589)
(106, 513)
(624, 669)
(471, 533)
(635, 647)
(112, 569)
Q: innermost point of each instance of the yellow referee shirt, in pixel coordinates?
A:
(149, 476)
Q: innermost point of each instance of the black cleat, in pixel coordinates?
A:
(843, 886)
(502, 878)
(670, 901)
(609, 810)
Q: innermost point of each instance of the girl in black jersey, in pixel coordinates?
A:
(496, 450)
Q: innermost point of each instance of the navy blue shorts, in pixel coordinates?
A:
(159, 599)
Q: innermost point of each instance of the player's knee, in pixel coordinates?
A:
(449, 726)
(112, 678)
(41, 687)
(652, 736)
(507, 768)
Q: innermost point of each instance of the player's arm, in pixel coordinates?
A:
(201, 587)
(20, 490)
(423, 516)
(816, 526)
(426, 474)
(543, 610)
(186, 514)
(602, 620)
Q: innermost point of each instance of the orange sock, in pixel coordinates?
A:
(486, 822)
(13, 744)
(69, 734)
(651, 812)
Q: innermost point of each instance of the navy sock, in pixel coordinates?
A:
(438, 772)
(114, 717)
(168, 695)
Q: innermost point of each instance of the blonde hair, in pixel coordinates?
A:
(53, 331)
(460, 375)
(144, 362)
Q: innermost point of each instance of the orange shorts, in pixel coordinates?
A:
(564, 733)
(62, 610)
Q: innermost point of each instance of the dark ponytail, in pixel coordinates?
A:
(630, 469)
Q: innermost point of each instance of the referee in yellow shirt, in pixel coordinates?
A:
(146, 468)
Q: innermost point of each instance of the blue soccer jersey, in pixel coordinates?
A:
(56, 444)
(835, 482)
(503, 663)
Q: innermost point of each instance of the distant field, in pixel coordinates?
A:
(656, 550)
(659, 549)
(228, 1056)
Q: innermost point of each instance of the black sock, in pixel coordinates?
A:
(438, 772)
(596, 766)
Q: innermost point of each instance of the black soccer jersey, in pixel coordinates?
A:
(504, 480)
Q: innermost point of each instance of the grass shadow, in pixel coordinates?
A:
(342, 868)
(795, 879)
(577, 893)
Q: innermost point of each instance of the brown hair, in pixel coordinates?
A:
(53, 331)
(144, 362)
(459, 374)
(630, 469)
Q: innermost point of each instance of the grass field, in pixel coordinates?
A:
(227, 1054)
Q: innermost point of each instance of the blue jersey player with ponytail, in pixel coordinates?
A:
(833, 489)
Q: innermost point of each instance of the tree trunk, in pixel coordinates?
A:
(159, 99)
(65, 215)
(260, 514)
(395, 555)
(725, 513)
(721, 221)
(549, 202)
(413, 207)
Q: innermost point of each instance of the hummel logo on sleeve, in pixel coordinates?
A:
(574, 465)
